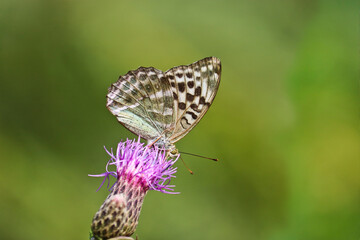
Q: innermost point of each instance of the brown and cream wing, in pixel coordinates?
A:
(142, 101)
(194, 88)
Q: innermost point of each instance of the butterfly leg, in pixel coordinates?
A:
(191, 172)
(161, 135)
(151, 144)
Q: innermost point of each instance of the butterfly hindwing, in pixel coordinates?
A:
(143, 102)
(194, 88)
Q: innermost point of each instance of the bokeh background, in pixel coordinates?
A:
(284, 123)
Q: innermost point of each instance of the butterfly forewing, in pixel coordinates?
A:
(194, 88)
(142, 101)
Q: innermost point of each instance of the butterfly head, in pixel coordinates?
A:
(169, 146)
(171, 149)
(174, 152)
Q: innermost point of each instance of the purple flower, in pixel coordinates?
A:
(148, 165)
(139, 168)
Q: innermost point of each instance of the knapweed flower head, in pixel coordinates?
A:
(139, 168)
(148, 166)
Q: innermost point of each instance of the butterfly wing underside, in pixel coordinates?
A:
(194, 88)
(142, 101)
(152, 104)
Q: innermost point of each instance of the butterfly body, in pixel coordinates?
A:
(163, 107)
(166, 144)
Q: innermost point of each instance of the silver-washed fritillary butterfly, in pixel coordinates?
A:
(162, 107)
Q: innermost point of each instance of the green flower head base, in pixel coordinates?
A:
(139, 168)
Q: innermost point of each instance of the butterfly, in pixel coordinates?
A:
(162, 107)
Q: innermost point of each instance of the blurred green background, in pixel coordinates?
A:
(284, 123)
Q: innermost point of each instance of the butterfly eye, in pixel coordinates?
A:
(174, 152)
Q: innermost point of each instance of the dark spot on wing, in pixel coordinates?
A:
(141, 87)
(181, 87)
(195, 107)
(148, 88)
(179, 75)
(153, 77)
(142, 77)
(182, 105)
(189, 97)
(187, 122)
(189, 74)
(163, 80)
(190, 84)
(193, 115)
(132, 80)
(128, 99)
(197, 91)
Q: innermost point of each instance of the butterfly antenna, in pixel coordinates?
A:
(214, 159)
(186, 166)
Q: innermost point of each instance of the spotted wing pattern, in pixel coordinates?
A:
(194, 88)
(152, 104)
(142, 101)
